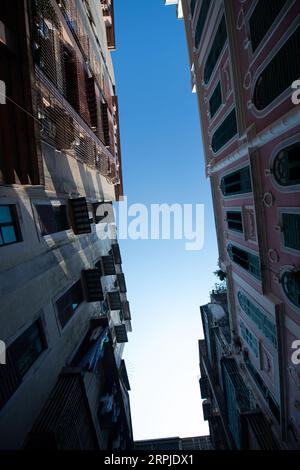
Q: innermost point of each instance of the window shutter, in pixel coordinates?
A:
(80, 215)
(116, 253)
(105, 124)
(121, 282)
(121, 333)
(126, 310)
(91, 279)
(291, 230)
(108, 265)
(114, 300)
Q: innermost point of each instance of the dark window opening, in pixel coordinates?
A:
(238, 182)
(20, 356)
(68, 303)
(52, 219)
(279, 74)
(215, 100)
(216, 49)
(201, 21)
(234, 221)
(262, 19)
(225, 132)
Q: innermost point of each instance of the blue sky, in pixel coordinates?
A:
(162, 163)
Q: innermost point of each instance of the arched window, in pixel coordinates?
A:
(246, 260)
(291, 286)
(262, 18)
(201, 20)
(216, 49)
(225, 132)
(238, 182)
(286, 166)
(279, 74)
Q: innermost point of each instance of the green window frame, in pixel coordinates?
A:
(286, 166)
(201, 20)
(216, 49)
(237, 182)
(235, 221)
(246, 260)
(215, 100)
(262, 18)
(259, 318)
(10, 232)
(291, 230)
(68, 303)
(279, 74)
(291, 286)
(249, 338)
(224, 132)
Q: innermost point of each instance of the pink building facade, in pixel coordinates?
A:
(244, 57)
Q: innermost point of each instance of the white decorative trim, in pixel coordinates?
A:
(277, 128)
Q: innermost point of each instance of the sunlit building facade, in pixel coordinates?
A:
(243, 64)
(64, 315)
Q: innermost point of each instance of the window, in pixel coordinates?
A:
(215, 100)
(291, 286)
(262, 19)
(248, 261)
(216, 49)
(201, 20)
(279, 74)
(291, 230)
(27, 348)
(20, 356)
(286, 166)
(225, 132)
(234, 221)
(193, 5)
(266, 326)
(52, 219)
(68, 303)
(262, 388)
(9, 226)
(238, 182)
(249, 338)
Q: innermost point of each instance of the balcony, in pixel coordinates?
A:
(126, 310)
(86, 409)
(204, 387)
(116, 253)
(207, 409)
(92, 287)
(79, 216)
